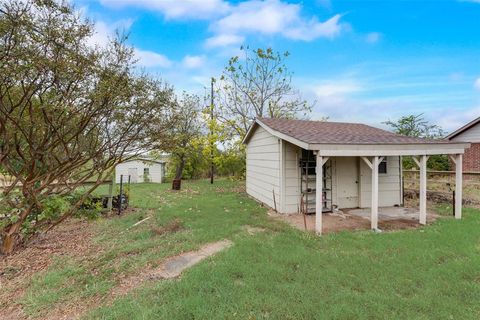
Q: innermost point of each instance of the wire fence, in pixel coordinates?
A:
(441, 185)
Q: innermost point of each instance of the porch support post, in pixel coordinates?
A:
(374, 209)
(319, 194)
(458, 185)
(423, 189)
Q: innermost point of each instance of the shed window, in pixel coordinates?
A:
(146, 171)
(382, 167)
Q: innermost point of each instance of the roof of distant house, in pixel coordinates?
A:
(145, 159)
(463, 129)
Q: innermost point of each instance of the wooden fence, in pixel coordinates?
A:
(447, 177)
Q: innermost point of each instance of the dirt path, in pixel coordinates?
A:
(171, 268)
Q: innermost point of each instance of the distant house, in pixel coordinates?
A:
(359, 166)
(469, 133)
(141, 170)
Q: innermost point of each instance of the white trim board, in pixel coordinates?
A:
(389, 150)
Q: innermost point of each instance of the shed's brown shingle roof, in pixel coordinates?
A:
(325, 132)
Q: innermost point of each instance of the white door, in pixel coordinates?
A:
(133, 173)
(347, 182)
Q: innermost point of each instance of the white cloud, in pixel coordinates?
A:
(271, 17)
(176, 9)
(151, 59)
(232, 22)
(352, 98)
(104, 31)
(456, 118)
(313, 29)
(192, 62)
(376, 111)
(476, 84)
(373, 37)
(343, 107)
(336, 89)
(222, 40)
(267, 17)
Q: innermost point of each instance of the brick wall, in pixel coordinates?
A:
(471, 158)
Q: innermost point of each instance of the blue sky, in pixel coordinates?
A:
(359, 61)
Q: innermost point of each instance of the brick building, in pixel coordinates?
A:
(469, 133)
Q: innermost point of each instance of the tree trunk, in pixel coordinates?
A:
(180, 167)
(179, 172)
(10, 238)
(11, 233)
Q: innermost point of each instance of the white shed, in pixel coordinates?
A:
(361, 166)
(141, 170)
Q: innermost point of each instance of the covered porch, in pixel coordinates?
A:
(357, 219)
(372, 156)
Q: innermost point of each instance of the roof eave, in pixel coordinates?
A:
(462, 129)
(249, 132)
(389, 149)
(273, 132)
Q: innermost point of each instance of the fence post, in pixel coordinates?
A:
(110, 195)
(120, 196)
(453, 203)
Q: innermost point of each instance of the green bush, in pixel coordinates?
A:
(435, 162)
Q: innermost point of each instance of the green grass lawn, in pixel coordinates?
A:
(282, 273)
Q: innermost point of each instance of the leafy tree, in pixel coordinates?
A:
(186, 134)
(69, 112)
(196, 164)
(417, 126)
(231, 162)
(258, 84)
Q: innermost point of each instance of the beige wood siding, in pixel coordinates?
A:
(263, 167)
(389, 191)
(470, 135)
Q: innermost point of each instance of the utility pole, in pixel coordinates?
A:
(211, 132)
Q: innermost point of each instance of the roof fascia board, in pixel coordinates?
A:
(250, 132)
(389, 150)
(283, 136)
(145, 160)
(462, 129)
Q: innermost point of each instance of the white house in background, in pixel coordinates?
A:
(141, 170)
(359, 165)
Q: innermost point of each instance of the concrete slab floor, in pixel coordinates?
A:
(391, 218)
(388, 213)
